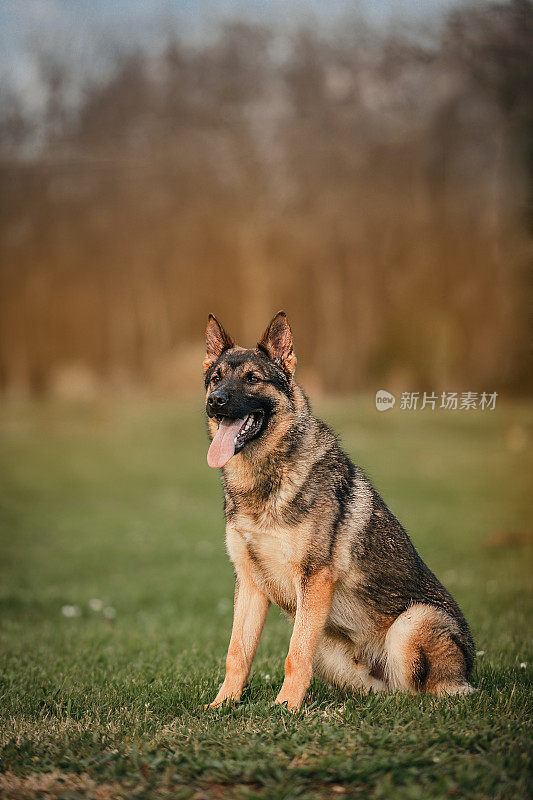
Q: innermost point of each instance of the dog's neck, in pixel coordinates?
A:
(265, 474)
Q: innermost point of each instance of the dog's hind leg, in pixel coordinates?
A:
(423, 653)
(336, 663)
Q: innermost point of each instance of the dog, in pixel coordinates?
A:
(305, 529)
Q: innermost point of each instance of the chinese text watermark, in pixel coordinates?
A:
(450, 401)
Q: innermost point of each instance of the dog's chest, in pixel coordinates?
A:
(273, 554)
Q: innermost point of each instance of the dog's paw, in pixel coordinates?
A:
(288, 702)
(222, 701)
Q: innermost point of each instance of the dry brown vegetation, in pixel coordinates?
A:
(375, 187)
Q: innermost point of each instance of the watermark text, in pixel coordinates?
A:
(450, 401)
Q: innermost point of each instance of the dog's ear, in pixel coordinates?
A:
(217, 340)
(276, 342)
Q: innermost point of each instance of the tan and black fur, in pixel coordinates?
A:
(306, 530)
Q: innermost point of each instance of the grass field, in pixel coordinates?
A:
(115, 503)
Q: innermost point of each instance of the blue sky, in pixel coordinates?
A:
(78, 30)
(22, 18)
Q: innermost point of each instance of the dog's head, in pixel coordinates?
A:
(246, 390)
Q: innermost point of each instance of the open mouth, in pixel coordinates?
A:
(232, 435)
(250, 428)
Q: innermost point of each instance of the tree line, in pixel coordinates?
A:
(377, 187)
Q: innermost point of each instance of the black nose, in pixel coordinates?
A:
(217, 400)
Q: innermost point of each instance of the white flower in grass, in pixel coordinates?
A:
(71, 611)
(267, 677)
(480, 652)
(109, 612)
(523, 664)
(96, 605)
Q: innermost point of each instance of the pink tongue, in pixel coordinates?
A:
(223, 447)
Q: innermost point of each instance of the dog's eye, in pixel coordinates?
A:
(215, 379)
(252, 378)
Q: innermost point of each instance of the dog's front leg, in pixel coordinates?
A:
(313, 601)
(249, 615)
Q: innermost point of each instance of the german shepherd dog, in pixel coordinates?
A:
(306, 530)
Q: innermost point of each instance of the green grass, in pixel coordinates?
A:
(116, 502)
